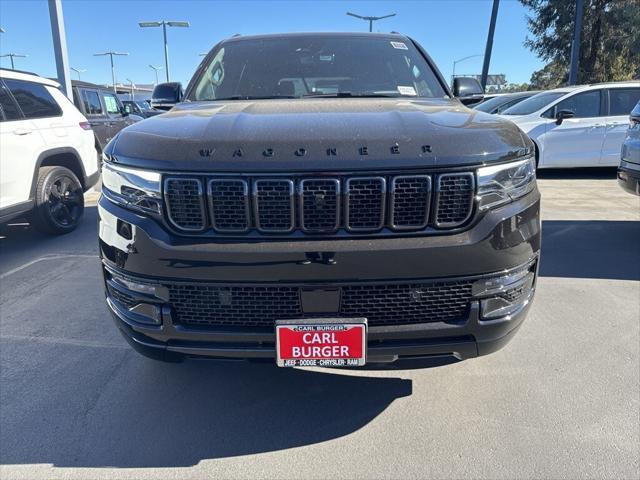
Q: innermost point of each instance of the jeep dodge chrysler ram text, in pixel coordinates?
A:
(320, 199)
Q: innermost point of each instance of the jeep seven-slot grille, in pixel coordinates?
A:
(319, 204)
(259, 306)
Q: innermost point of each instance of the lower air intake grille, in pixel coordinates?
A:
(386, 304)
(454, 199)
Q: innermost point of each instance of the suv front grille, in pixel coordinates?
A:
(260, 306)
(319, 204)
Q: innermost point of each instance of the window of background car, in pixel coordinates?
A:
(533, 104)
(34, 99)
(316, 65)
(622, 100)
(111, 104)
(8, 108)
(583, 105)
(92, 105)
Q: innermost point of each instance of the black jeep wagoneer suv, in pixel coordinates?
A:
(320, 199)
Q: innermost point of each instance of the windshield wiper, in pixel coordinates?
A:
(355, 95)
(252, 97)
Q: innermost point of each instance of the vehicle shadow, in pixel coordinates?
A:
(20, 242)
(178, 415)
(591, 249)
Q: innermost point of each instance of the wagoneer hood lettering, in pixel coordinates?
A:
(319, 133)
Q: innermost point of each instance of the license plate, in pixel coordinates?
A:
(321, 343)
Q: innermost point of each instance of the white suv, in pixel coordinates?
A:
(48, 155)
(577, 126)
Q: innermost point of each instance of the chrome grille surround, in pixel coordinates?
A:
(233, 213)
(368, 195)
(274, 205)
(318, 203)
(319, 216)
(454, 198)
(184, 200)
(403, 209)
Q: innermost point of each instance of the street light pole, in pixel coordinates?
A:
(164, 24)
(12, 56)
(370, 19)
(78, 71)
(113, 68)
(455, 62)
(155, 69)
(489, 47)
(132, 87)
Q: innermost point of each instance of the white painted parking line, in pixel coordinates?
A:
(44, 258)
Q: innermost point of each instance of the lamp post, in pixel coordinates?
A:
(370, 19)
(164, 24)
(155, 69)
(12, 56)
(78, 71)
(113, 69)
(455, 62)
(132, 89)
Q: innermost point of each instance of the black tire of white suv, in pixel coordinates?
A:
(59, 201)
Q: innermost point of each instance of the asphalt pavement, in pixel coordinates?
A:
(562, 400)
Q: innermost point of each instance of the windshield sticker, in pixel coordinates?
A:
(399, 45)
(407, 91)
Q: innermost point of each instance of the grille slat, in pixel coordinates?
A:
(185, 203)
(274, 205)
(454, 199)
(364, 203)
(258, 306)
(320, 204)
(229, 203)
(410, 197)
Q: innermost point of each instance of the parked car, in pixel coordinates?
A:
(103, 109)
(320, 199)
(577, 126)
(47, 154)
(140, 108)
(500, 103)
(629, 169)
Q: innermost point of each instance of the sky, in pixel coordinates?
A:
(448, 29)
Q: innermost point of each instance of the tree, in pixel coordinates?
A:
(609, 43)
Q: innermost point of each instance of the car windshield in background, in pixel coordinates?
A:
(316, 66)
(489, 105)
(534, 103)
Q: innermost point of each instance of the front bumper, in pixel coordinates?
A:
(629, 177)
(503, 239)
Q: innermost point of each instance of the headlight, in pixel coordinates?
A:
(132, 188)
(500, 184)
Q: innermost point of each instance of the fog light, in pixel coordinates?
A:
(125, 230)
(505, 295)
(157, 291)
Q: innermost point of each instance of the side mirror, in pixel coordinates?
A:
(123, 111)
(166, 95)
(467, 90)
(562, 114)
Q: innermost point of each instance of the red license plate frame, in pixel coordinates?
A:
(323, 342)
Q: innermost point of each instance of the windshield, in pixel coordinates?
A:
(534, 103)
(316, 65)
(143, 105)
(489, 105)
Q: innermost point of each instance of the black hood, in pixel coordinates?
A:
(318, 134)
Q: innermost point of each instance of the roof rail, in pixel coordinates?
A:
(20, 71)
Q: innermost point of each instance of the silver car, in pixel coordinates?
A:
(629, 169)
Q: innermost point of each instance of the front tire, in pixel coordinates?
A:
(59, 201)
